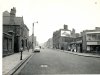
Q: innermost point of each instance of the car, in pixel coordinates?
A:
(37, 49)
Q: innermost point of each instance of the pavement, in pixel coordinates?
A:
(12, 62)
(83, 54)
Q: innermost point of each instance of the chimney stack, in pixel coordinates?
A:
(97, 28)
(65, 27)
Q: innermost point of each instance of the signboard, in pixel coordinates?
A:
(65, 33)
(92, 43)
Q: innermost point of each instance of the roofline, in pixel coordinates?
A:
(10, 25)
(26, 27)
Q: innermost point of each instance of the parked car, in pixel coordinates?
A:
(37, 49)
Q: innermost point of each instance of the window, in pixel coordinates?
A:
(94, 36)
(98, 36)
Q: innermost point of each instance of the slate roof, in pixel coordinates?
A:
(6, 13)
(17, 20)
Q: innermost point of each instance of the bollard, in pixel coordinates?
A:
(21, 55)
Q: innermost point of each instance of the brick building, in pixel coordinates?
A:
(88, 41)
(17, 26)
(61, 38)
(91, 40)
(49, 43)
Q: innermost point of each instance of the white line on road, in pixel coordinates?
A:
(44, 66)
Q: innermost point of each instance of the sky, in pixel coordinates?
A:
(53, 14)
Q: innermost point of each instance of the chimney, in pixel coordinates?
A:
(12, 15)
(65, 27)
(13, 12)
(97, 28)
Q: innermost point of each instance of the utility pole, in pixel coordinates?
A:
(33, 36)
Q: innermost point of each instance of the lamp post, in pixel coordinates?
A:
(33, 36)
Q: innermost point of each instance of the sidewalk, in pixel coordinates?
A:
(82, 54)
(10, 62)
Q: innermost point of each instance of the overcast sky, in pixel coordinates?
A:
(53, 14)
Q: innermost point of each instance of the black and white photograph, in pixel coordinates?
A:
(50, 37)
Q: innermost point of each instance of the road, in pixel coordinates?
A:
(50, 61)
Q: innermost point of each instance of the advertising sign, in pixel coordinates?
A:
(65, 33)
(92, 43)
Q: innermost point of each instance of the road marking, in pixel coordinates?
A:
(44, 66)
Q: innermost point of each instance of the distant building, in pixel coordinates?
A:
(61, 38)
(17, 26)
(34, 40)
(49, 43)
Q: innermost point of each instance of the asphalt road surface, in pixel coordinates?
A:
(50, 61)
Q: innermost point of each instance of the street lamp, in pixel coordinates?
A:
(33, 36)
